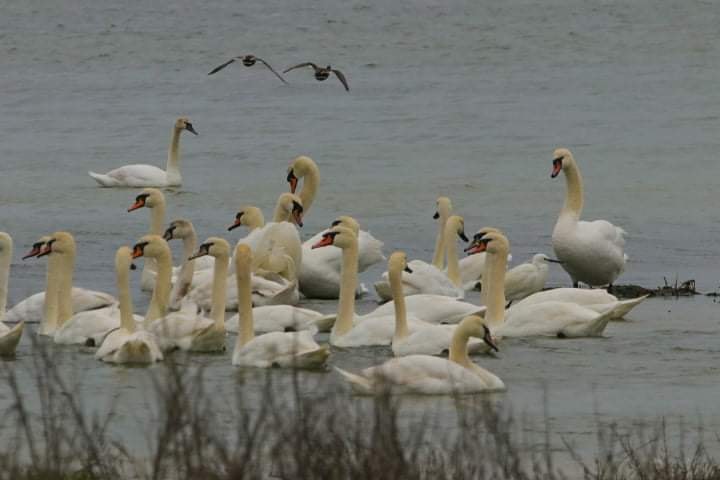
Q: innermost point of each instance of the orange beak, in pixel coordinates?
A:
(235, 224)
(557, 166)
(33, 253)
(324, 242)
(476, 248)
(137, 252)
(46, 250)
(138, 204)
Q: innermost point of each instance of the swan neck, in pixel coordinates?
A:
(401, 327)
(348, 286)
(453, 264)
(246, 331)
(307, 194)
(127, 321)
(574, 195)
(458, 345)
(280, 215)
(65, 304)
(439, 255)
(220, 272)
(161, 291)
(173, 160)
(184, 278)
(50, 306)
(5, 261)
(494, 284)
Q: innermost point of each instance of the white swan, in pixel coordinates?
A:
(153, 199)
(127, 344)
(527, 278)
(429, 375)
(87, 327)
(9, 336)
(346, 331)
(33, 308)
(140, 175)
(431, 339)
(594, 299)
(319, 273)
(426, 278)
(284, 349)
(547, 318)
(279, 318)
(185, 329)
(591, 252)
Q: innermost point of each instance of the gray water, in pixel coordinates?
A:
(464, 99)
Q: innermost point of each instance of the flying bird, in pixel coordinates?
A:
(322, 74)
(248, 61)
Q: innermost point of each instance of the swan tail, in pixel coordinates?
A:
(358, 383)
(9, 342)
(597, 327)
(624, 306)
(314, 358)
(325, 323)
(102, 179)
(135, 351)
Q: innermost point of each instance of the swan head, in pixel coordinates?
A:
(123, 259)
(300, 167)
(339, 236)
(292, 208)
(213, 246)
(561, 159)
(36, 248)
(149, 197)
(541, 258)
(474, 325)
(60, 243)
(153, 246)
(493, 242)
(443, 208)
(249, 216)
(179, 228)
(347, 222)
(456, 224)
(477, 237)
(398, 263)
(183, 123)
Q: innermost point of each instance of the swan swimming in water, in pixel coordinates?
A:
(9, 336)
(141, 175)
(591, 252)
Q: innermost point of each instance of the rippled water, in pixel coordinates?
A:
(465, 99)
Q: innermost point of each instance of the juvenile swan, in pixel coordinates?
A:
(141, 175)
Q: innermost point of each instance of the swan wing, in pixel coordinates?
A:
(10, 338)
(31, 308)
(431, 309)
(137, 175)
(285, 349)
(554, 319)
(84, 326)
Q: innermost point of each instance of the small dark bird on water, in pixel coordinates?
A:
(248, 61)
(322, 74)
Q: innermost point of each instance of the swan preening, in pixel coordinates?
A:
(141, 175)
(591, 252)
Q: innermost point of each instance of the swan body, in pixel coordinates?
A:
(279, 318)
(429, 375)
(127, 344)
(31, 308)
(527, 278)
(319, 273)
(430, 308)
(591, 252)
(9, 336)
(140, 175)
(284, 349)
(426, 277)
(594, 299)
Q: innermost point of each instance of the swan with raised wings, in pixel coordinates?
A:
(426, 278)
(284, 349)
(430, 375)
(127, 344)
(320, 270)
(33, 309)
(140, 175)
(591, 252)
(560, 319)
(9, 336)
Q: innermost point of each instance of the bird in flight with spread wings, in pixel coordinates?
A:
(322, 73)
(248, 61)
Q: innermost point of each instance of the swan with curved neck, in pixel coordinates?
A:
(9, 337)
(430, 375)
(319, 273)
(542, 319)
(127, 344)
(428, 279)
(443, 212)
(141, 175)
(153, 199)
(346, 332)
(284, 349)
(591, 252)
